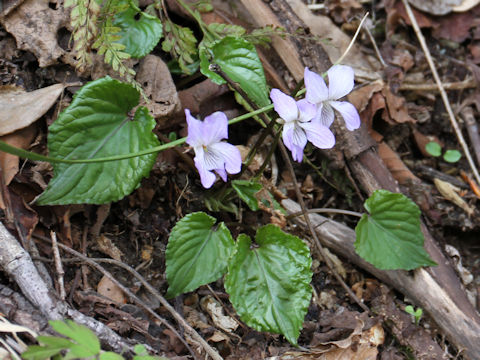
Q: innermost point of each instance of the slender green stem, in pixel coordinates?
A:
(38, 157)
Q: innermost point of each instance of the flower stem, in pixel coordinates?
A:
(38, 157)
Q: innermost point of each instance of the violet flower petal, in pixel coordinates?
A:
(340, 81)
(325, 114)
(207, 177)
(319, 135)
(231, 156)
(307, 110)
(195, 126)
(295, 139)
(317, 90)
(349, 114)
(215, 128)
(284, 105)
(222, 173)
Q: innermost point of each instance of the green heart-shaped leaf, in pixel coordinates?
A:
(269, 285)
(139, 36)
(197, 253)
(239, 60)
(390, 237)
(97, 124)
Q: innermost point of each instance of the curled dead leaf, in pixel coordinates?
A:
(450, 192)
(215, 310)
(20, 109)
(109, 289)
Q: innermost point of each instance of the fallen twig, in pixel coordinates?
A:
(58, 266)
(472, 129)
(191, 331)
(17, 263)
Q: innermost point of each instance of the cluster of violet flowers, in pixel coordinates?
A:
(304, 120)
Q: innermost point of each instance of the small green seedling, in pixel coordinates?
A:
(417, 314)
(434, 149)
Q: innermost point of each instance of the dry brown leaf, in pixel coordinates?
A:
(358, 346)
(449, 192)
(193, 97)
(35, 25)
(20, 109)
(395, 165)
(106, 246)
(110, 290)
(396, 106)
(20, 139)
(156, 80)
(360, 98)
(422, 140)
(215, 310)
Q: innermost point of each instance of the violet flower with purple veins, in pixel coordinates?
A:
(340, 83)
(299, 127)
(212, 154)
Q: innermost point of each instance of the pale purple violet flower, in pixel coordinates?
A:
(298, 126)
(212, 154)
(340, 83)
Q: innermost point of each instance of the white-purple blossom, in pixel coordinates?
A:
(299, 126)
(211, 153)
(340, 83)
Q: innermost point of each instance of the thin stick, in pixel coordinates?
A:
(443, 94)
(58, 265)
(456, 85)
(472, 129)
(340, 59)
(191, 331)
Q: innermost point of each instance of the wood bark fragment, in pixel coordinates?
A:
(16, 262)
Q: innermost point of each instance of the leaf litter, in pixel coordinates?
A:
(381, 103)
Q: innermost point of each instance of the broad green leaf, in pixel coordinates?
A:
(269, 285)
(239, 60)
(246, 190)
(139, 36)
(390, 237)
(111, 356)
(197, 253)
(83, 336)
(433, 148)
(54, 341)
(36, 352)
(452, 156)
(98, 124)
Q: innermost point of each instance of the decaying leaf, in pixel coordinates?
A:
(35, 25)
(106, 246)
(358, 346)
(20, 109)
(395, 165)
(449, 192)
(109, 289)
(157, 82)
(215, 310)
(8, 162)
